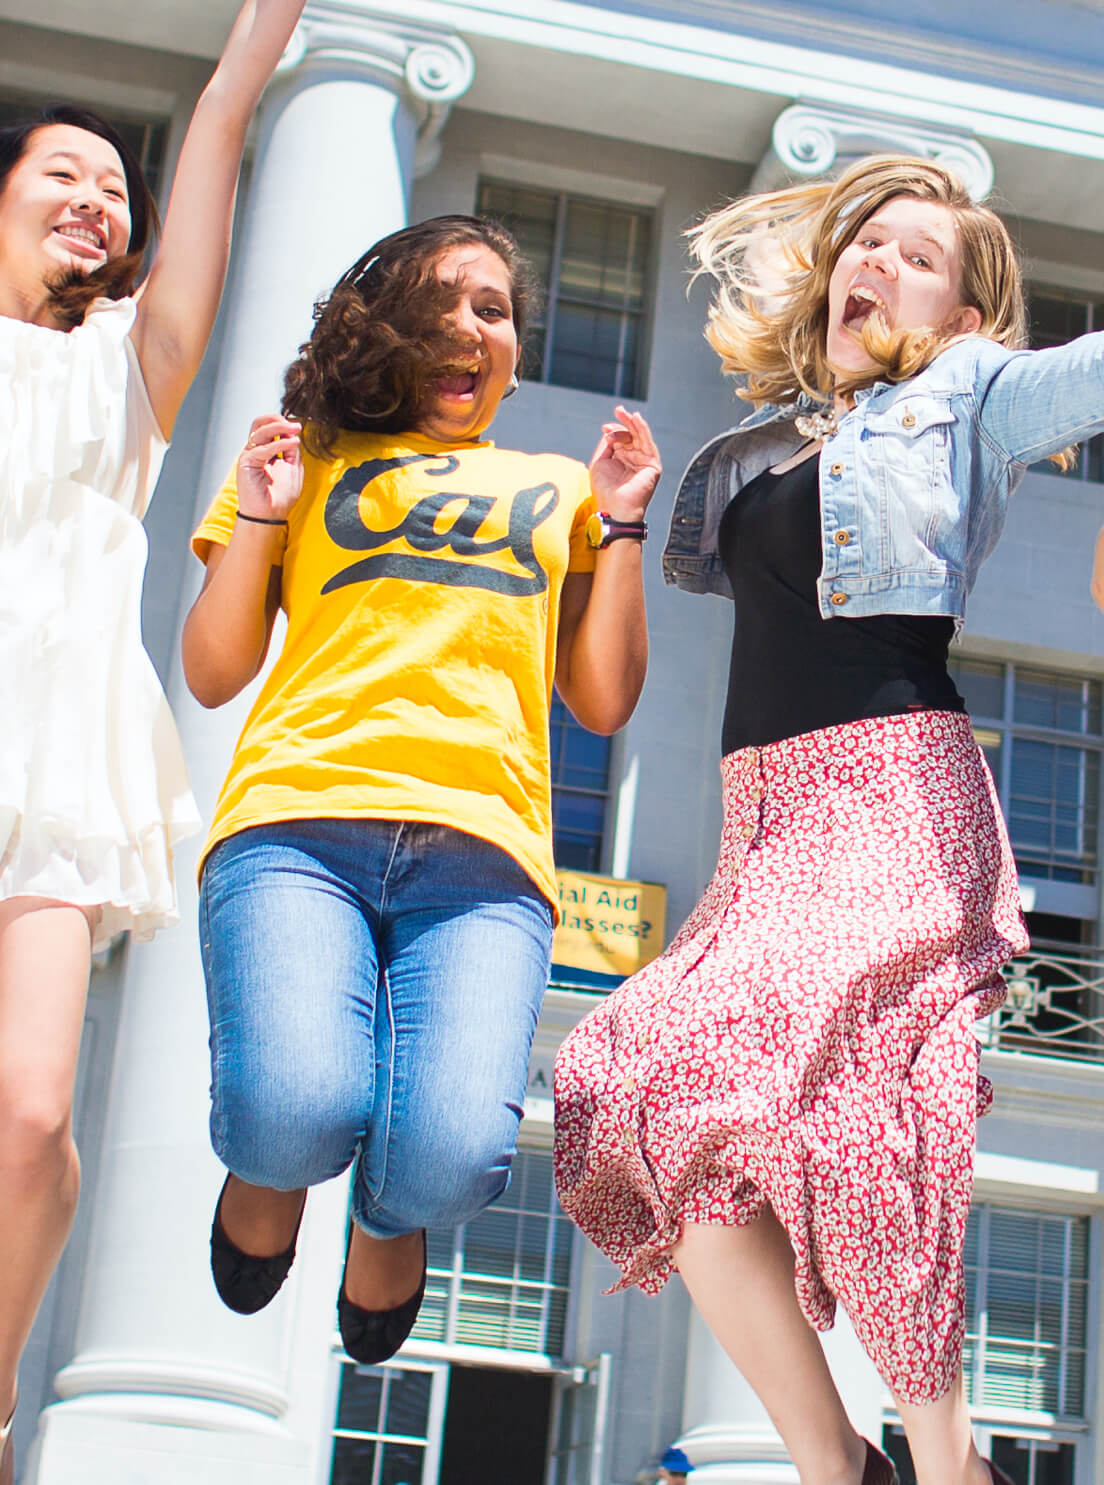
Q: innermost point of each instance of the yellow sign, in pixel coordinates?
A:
(608, 926)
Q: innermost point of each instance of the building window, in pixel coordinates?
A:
(580, 791)
(1033, 1461)
(1027, 1280)
(386, 1424)
(501, 1280)
(1042, 734)
(1026, 1461)
(593, 259)
(1055, 318)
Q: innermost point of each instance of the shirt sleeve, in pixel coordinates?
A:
(581, 555)
(217, 525)
(1032, 404)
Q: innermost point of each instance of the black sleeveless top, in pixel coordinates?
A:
(792, 671)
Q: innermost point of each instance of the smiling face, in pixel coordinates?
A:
(904, 264)
(462, 400)
(63, 208)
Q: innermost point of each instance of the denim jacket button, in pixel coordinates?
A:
(841, 538)
(838, 599)
(837, 470)
(909, 420)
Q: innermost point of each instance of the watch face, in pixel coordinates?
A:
(595, 531)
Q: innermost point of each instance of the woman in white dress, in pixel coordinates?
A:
(93, 790)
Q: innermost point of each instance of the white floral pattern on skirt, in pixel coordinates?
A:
(807, 1039)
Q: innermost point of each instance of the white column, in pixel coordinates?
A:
(726, 1431)
(166, 1385)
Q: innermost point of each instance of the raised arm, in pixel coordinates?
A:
(227, 632)
(180, 299)
(602, 650)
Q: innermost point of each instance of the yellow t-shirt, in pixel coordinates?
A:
(422, 590)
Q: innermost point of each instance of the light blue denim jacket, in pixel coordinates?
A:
(914, 485)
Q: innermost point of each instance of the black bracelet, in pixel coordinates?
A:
(260, 520)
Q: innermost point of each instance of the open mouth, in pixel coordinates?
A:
(458, 383)
(860, 304)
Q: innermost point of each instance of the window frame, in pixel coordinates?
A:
(1070, 899)
(1038, 1427)
(1002, 1417)
(1092, 449)
(559, 726)
(435, 1419)
(565, 197)
(553, 1294)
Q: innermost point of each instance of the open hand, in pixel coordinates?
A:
(626, 467)
(270, 468)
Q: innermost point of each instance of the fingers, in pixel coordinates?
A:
(270, 428)
(604, 447)
(275, 448)
(637, 426)
(630, 433)
(270, 467)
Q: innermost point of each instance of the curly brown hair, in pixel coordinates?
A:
(381, 334)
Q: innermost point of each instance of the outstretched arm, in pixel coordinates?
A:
(602, 651)
(180, 299)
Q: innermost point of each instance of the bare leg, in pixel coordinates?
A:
(382, 1273)
(258, 1219)
(940, 1440)
(45, 957)
(742, 1281)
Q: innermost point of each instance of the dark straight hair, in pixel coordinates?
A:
(71, 293)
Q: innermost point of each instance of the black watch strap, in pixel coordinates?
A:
(602, 528)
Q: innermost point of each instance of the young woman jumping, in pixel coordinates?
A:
(93, 790)
(783, 1105)
(378, 890)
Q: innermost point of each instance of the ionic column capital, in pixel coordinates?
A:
(429, 67)
(812, 139)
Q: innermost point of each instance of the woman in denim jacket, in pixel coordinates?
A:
(782, 1106)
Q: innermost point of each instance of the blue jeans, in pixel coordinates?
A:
(373, 988)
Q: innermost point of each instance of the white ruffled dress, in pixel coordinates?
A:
(93, 786)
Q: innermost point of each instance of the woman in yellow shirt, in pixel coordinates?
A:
(377, 892)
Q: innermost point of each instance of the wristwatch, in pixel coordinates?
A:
(601, 529)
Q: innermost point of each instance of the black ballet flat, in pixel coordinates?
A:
(244, 1282)
(372, 1336)
(879, 1468)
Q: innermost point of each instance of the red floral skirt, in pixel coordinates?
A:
(807, 1041)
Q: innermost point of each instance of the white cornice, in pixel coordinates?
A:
(750, 45)
(987, 89)
(955, 55)
(783, 69)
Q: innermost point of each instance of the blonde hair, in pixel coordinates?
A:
(773, 256)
